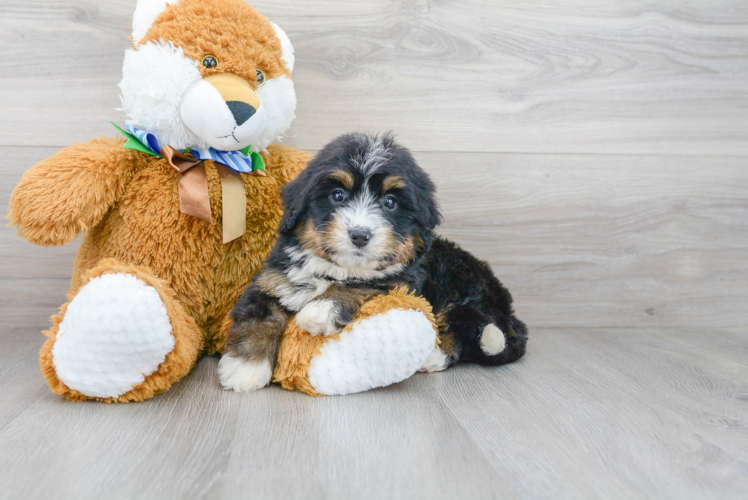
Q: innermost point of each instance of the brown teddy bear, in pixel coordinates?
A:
(180, 215)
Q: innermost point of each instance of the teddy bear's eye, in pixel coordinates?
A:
(210, 61)
(260, 77)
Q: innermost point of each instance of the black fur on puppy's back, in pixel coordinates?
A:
(467, 297)
(367, 182)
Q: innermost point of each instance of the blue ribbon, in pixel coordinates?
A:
(243, 161)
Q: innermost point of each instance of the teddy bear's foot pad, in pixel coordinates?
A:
(383, 349)
(115, 332)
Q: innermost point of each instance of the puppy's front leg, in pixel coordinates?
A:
(252, 343)
(333, 310)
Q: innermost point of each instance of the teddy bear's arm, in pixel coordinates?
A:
(285, 163)
(70, 191)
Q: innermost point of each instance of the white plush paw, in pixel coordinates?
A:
(242, 376)
(381, 350)
(436, 362)
(115, 332)
(317, 317)
(492, 340)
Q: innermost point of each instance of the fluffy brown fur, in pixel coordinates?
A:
(128, 205)
(299, 347)
(133, 218)
(339, 246)
(178, 363)
(237, 53)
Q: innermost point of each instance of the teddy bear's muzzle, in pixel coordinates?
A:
(241, 111)
(224, 111)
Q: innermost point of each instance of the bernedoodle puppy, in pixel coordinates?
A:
(358, 222)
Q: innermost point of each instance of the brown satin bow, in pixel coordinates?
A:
(194, 198)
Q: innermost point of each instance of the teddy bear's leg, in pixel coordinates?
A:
(122, 337)
(389, 338)
(380, 350)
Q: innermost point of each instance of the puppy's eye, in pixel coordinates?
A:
(260, 78)
(337, 196)
(389, 202)
(210, 61)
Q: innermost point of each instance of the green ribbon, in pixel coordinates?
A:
(133, 143)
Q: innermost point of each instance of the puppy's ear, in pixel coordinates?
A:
(433, 216)
(294, 200)
(427, 235)
(428, 208)
(427, 238)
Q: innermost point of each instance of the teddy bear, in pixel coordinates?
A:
(179, 213)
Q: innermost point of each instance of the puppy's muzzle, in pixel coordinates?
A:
(359, 236)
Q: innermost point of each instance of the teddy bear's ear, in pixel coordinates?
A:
(288, 56)
(146, 11)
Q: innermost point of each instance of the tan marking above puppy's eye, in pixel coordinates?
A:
(344, 177)
(393, 182)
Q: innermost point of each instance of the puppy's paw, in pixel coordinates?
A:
(239, 375)
(492, 340)
(318, 317)
(436, 362)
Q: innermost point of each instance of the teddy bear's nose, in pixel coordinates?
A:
(241, 111)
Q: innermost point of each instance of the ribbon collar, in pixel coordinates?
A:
(194, 196)
(244, 160)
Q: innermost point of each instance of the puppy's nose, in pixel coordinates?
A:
(359, 236)
(241, 111)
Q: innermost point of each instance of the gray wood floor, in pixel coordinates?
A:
(589, 413)
(595, 153)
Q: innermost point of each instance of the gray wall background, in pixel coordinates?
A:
(595, 153)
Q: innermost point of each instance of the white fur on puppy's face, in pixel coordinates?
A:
(364, 212)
